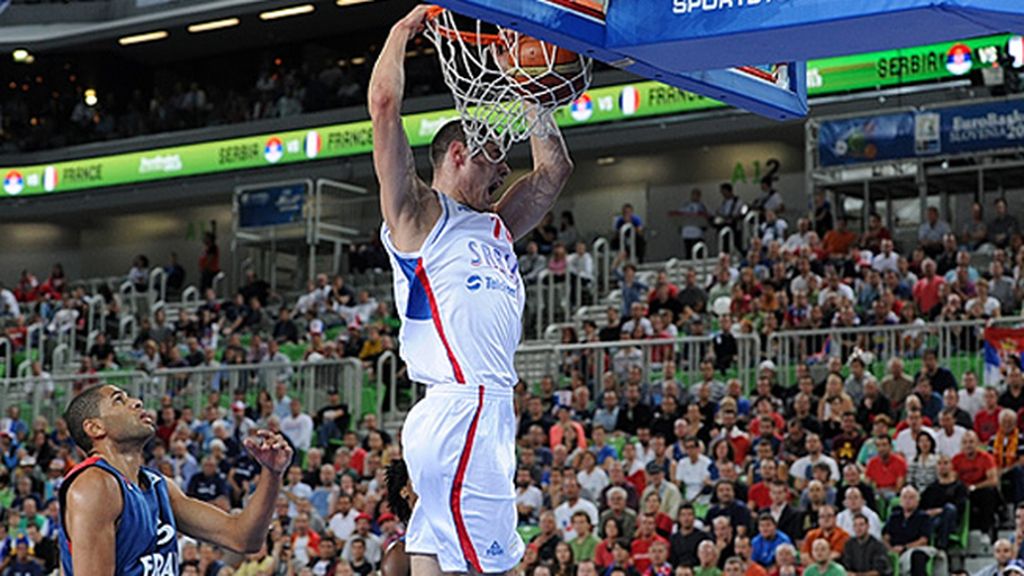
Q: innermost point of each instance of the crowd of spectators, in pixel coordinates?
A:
(48, 109)
(622, 471)
(820, 276)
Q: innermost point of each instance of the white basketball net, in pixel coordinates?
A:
(500, 100)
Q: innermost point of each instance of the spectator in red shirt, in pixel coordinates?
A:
(986, 421)
(977, 470)
(887, 471)
(659, 560)
(644, 538)
(759, 496)
(928, 290)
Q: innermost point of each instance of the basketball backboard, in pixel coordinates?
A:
(728, 49)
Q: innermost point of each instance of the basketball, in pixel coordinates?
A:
(550, 74)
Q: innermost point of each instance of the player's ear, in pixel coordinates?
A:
(458, 153)
(94, 428)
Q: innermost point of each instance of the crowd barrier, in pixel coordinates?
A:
(47, 395)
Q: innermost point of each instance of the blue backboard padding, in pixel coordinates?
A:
(785, 30)
(647, 37)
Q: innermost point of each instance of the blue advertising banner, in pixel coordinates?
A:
(271, 206)
(870, 139)
(990, 126)
(946, 131)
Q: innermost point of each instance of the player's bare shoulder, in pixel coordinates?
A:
(95, 494)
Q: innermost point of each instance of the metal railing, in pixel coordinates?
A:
(157, 287)
(47, 395)
(955, 342)
(628, 232)
(602, 251)
(726, 240)
(750, 223)
(534, 361)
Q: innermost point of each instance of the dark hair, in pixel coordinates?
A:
(397, 477)
(725, 186)
(83, 407)
(766, 517)
(450, 132)
(930, 439)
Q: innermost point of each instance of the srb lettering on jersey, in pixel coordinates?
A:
(501, 261)
(159, 564)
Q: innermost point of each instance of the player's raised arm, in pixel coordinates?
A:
(528, 199)
(408, 206)
(94, 503)
(246, 531)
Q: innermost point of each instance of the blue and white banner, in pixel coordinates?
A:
(271, 206)
(944, 131)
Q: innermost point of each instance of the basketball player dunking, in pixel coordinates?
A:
(460, 297)
(120, 517)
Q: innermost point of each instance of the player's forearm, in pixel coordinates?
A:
(387, 83)
(255, 518)
(551, 157)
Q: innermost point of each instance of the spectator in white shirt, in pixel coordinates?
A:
(343, 521)
(694, 470)
(295, 489)
(581, 263)
(801, 470)
(854, 505)
(571, 504)
(886, 259)
(298, 427)
(529, 498)
(8, 303)
(798, 240)
(592, 478)
(949, 435)
(972, 398)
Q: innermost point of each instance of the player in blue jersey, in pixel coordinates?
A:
(120, 517)
(400, 499)
(460, 297)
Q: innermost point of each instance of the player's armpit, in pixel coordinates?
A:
(94, 504)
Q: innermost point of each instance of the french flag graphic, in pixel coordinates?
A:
(313, 144)
(629, 100)
(50, 179)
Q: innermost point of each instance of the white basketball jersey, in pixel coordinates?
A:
(460, 298)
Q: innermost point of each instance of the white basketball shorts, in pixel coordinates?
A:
(459, 446)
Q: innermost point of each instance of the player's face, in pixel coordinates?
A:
(484, 178)
(124, 418)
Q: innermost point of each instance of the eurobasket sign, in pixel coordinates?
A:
(625, 102)
(945, 131)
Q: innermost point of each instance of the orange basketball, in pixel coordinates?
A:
(549, 73)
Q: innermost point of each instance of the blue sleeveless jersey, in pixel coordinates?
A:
(147, 543)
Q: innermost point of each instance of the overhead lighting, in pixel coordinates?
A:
(606, 161)
(286, 12)
(140, 38)
(21, 55)
(351, 2)
(358, 61)
(90, 97)
(213, 25)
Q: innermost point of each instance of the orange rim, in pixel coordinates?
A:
(468, 37)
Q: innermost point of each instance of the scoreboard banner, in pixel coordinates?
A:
(623, 102)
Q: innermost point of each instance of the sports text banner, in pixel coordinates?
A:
(600, 105)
